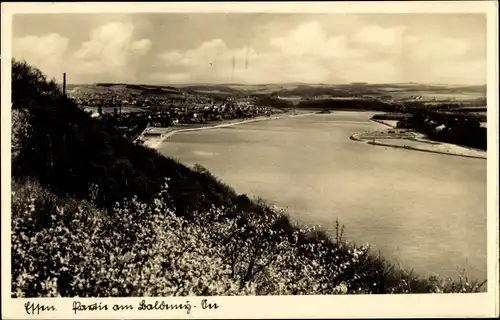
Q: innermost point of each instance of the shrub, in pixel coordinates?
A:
(64, 247)
(20, 131)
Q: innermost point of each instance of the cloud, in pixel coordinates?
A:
(111, 53)
(434, 59)
(306, 53)
(377, 36)
(433, 48)
(46, 52)
(460, 72)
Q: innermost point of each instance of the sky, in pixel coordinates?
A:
(248, 48)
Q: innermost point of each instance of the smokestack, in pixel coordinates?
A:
(64, 84)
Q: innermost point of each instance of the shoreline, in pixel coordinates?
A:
(426, 145)
(154, 143)
(423, 144)
(425, 150)
(382, 122)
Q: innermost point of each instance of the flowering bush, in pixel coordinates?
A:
(69, 248)
(65, 247)
(20, 130)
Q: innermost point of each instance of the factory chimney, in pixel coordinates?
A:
(64, 84)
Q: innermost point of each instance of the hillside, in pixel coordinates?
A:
(340, 90)
(76, 152)
(468, 96)
(139, 87)
(110, 218)
(347, 104)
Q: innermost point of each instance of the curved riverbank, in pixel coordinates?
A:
(168, 132)
(299, 164)
(423, 150)
(409, 140)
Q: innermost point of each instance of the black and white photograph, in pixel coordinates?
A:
(168, 155)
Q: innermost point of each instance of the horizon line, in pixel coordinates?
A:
(279, 83)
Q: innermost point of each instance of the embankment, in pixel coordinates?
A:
(155, 142)
(387, 123)
(418, 144)
(377, 143)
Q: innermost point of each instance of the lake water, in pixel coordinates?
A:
(427, 211)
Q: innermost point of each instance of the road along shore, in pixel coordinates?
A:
(155, 142)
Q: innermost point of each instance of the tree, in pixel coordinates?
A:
(68, 151)
(30, 84)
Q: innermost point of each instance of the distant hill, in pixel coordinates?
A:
(153, 89)
(285, 90)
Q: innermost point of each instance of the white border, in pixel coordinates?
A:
(452, 305)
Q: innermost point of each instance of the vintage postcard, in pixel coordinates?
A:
(255, 160)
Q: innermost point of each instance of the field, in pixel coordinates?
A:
(428, 93)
